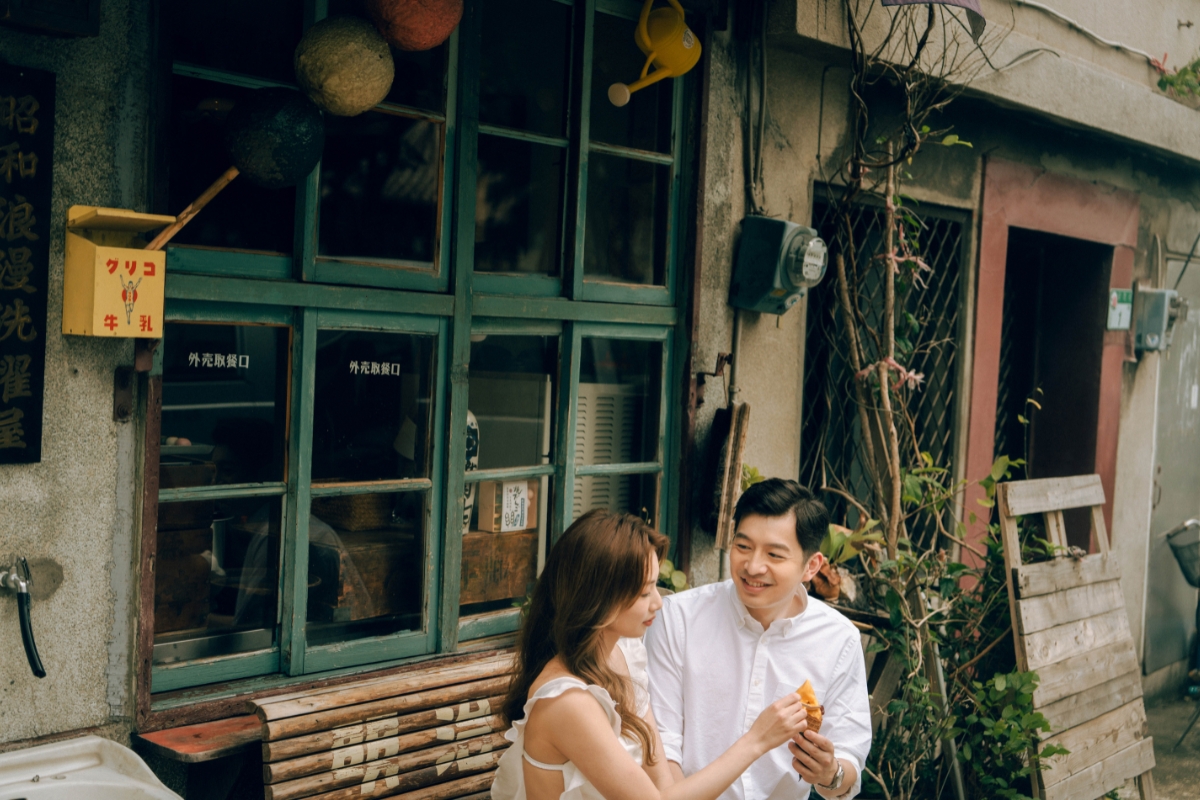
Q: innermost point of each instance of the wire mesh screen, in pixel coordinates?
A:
(927, 336)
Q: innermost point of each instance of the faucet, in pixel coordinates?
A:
(18, 580)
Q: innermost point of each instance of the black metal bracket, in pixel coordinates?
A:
(723, 359)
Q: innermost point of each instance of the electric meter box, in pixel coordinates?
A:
(1152, 318)
(776, 262)
(112, 286)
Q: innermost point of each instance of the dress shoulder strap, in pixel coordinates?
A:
(543, 765)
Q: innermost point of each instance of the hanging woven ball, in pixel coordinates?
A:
(275, 137)
(344, 65)
(416, 24)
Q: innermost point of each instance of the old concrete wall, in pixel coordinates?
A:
(996, 125)
(74, 511)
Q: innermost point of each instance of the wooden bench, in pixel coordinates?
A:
(1069, 626)
(430, 734)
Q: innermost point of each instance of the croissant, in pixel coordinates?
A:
(816, 711)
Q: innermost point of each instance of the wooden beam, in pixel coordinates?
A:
(1048, 610)
(1096, 740)
(1084, 671)
(1054, 494)
(1107, 775)
(1075, 638)
(1078, 708)
(1065, 573)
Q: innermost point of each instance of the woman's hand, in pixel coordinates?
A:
(779, 722)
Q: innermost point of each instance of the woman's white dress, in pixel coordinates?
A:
(509, 783)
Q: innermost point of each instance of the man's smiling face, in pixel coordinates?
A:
(768, 565)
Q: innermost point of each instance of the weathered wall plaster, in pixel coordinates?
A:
(74, 509)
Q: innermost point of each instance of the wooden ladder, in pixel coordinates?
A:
(1070, 627)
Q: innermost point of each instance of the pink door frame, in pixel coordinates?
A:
(1020, 196)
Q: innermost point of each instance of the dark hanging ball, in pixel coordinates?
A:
(275, 137)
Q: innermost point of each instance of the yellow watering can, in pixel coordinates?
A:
(668, 44)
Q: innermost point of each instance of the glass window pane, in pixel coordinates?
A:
(243, 216)
(512, 382)
(373, 406)
(629, 494)
(420, 76)
(627, 209)
(380, 185)
(524, 65)
(216, 580)
(224, 413)
(645, 123)
(500, 562)
(617, 416)
(518, 206)
(257, 38)
(366, 558)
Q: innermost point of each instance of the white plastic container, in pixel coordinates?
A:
(88, 768)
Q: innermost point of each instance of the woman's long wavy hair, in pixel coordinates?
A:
(596, 570)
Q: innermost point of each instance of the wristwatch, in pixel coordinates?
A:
(836, 783)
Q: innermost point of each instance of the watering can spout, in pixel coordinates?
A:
(669, 45)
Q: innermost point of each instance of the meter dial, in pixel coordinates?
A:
(805, 260)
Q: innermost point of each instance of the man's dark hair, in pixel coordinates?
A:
(775, 497)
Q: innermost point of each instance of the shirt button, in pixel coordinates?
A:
(758, 683)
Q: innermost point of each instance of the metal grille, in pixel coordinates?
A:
(830, 433)
(1018, 347)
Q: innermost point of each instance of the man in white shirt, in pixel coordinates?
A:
(721, 653)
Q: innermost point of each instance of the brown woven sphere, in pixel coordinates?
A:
(416, 24)
(344, 65)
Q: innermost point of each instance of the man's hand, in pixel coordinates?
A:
(812, 757)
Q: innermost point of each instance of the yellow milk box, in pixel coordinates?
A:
(113, 287)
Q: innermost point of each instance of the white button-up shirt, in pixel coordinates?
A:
(713, 669)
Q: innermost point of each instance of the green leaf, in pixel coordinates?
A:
(1000, 682)
(951, 139)
(1022, 420)
(678, 580)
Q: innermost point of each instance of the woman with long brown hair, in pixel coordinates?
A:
(582, 728)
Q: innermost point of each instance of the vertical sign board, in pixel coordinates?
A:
(26, 150)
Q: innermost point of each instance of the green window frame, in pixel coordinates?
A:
(450, 302)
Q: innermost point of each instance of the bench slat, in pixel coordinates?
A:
(206, 741)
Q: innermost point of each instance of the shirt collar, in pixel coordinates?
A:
(782, 626)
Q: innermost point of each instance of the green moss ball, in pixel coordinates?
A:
(344, 65)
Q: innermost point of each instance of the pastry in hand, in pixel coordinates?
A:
(816, 711)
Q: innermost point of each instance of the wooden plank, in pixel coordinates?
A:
(1083, 672)
(368, 772)
(291, 705)
(348, 715)
(1053, 494)
(1064, 641)
(1098, 779)
(1100, 529)
(1096, 740)
(385, 747)
(885, 689)
(383, 785)
(375, 729)
(1056, 528)
(1091, 703)
(1011, 538)
(1065, 573)
(1047, 610)
(193, 744)
(475, 787)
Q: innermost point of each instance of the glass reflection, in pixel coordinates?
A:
(216, 576)
(373, 406)
(646, 122)
(262, 42)
(224, 412)
(366, 558)
(243, 216)
(620, 382)
(518, 206)
(524, 65)
(380, 184)
(512, 380)
(629, 494)
(627, 208)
